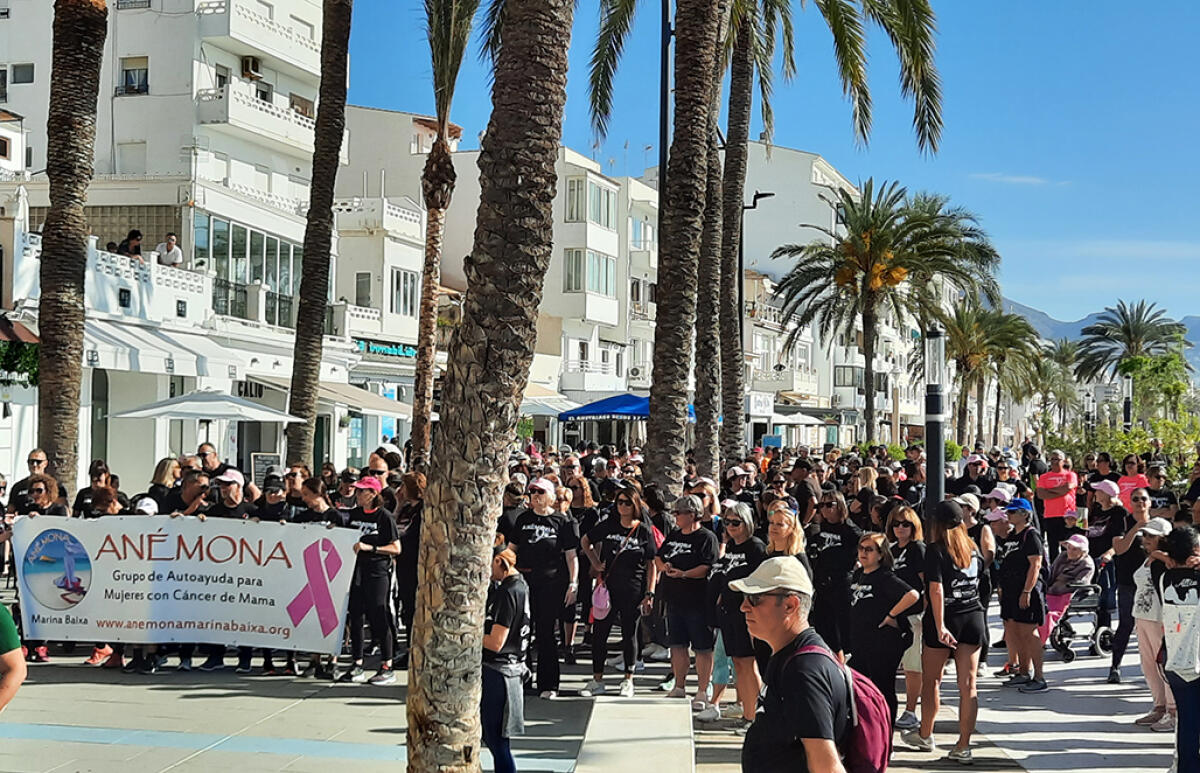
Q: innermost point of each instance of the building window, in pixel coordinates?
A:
(221, 78)
(583, 351)
(602, 206)
(5, 148)
(635, 291)
(847, 376)
(601, 274)
(620, 363)
(263, 91)
(641, 234)
(22, 73)
(135, 75)
(573, 271)
(302, 106)
(362, 289)
(3, 85)
(575, 199)
(405, 292)
(29, 157)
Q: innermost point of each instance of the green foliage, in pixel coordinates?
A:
(895, 451)
(525, 427)
(953, 451)
(1180, 439)
(18, 364)
(1160, 382)
(1123, 332)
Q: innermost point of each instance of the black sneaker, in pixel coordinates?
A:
(148, 667)
(134, 665)
(354, 675)
(999, 645)
(213, 664)
(1114, 675)
(243, 667)
(1034, 685)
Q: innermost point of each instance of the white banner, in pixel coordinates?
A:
(152, 579)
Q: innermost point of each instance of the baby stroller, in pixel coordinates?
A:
(1084, 602)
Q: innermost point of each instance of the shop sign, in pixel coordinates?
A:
(760, 403)
(385, 349)
(250, 389)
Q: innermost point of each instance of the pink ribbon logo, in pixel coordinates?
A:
(316, 592)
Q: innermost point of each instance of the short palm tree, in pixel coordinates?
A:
(890, 251)
(1010, 338)
(79, 31)
(318, 231)
(1125, 331)
(967, 347)
(448, 28)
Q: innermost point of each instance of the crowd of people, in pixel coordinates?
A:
(785, 554)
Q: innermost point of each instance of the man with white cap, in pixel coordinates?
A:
(976, 475)
(804, 706)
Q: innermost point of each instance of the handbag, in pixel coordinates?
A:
(601, 600)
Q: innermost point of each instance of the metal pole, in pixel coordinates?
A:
(935, 426)
(664, 112)
(741, 278)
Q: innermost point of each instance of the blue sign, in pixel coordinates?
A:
(385, 349)
(772, 441)
(387, 426)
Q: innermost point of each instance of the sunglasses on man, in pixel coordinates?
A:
(754, 599)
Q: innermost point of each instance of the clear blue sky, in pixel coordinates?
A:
(1070, 129)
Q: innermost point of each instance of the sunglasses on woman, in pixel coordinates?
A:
(625, 502)
(733, 522)
(905, 524)
(826, 504)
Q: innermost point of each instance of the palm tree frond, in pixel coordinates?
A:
(850, 51)
(616, 19)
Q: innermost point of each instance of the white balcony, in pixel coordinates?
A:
(237, 26)
(588, 376)
(592, 307)
(236, 108)
(765, 314)
(357, 214)
(642, 311)
(644, 260)
(803, 380)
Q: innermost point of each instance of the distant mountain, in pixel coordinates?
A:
(1050, 328)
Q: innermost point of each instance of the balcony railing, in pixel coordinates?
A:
(231, 298)
(765, 312)
(279, 310)
(587, 366)
(642, 310)
(356, 214)
(235, 19)
(237, 107)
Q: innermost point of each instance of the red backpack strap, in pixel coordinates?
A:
(817, 649)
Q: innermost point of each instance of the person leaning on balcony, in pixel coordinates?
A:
(168, 251)
(132, 245)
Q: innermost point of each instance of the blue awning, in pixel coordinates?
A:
(627, 407)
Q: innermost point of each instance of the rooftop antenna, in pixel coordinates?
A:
(625, 159)
(645, 157)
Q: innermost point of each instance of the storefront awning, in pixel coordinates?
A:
(124, 346)
(356, 398)
(797, 419)
(539, 400)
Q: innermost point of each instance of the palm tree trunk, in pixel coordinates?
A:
(696, 23)
(733, 388)
(707, 367)
(869, 321)
(437, 184)
(80, 27)
(996, 420)
(487, 370)
(980, 406)
(961, 421)
(318, 232)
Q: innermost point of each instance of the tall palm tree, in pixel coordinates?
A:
(909, 24)
(1064, 352)
(80, 27)
(967, 348)
(318, 231)
(487, 370)
(891, 252)
(707, 362)
(448, 27)
(1125, 331)
(1013, 340)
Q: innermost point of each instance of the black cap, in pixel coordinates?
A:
(948, 513)
(349, 475)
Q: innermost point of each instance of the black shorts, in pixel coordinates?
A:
(689, 627)
(1010, 606)
(965, 627)
(735, 635)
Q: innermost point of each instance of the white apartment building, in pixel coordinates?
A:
(12, 144)
(205, 129)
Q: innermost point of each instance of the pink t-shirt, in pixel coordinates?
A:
(1058, 507)
(1127, 484)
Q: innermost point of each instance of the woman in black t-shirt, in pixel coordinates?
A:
(1128, 556)
(620, 553)
(953, 626)
(743, 553)
(833, 552)
(409, 515)
(317, 509)
(505, 641)
(1022, 597)
(908, 563)
(587, 517)
(370, 587)
(1105, 522)
(546, 541)
(879, 630)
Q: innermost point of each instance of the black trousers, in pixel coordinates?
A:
(1125, 594)
(879, 662)
(546, 596)
(1054, 529)
(624, 611)
(406, 605)
(370, 599)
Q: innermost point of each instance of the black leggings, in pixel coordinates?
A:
(1125, 594)
(406, 606)
(370, 599)
(879, 663)
(626, 612)
(546, 606)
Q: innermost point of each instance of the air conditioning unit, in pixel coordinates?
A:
(635, 372)
(835, 400)
(252, 68)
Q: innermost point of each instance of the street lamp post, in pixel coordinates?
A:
(935, 419)
(741, 278)
(1127, 394)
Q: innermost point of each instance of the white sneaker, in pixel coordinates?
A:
(907, 721)
(710, 714)
(700, 705)
(593, 688)
(626, 690)
(677, 692)
(731, 711)
(912, 738)
(1164, 725)
(616, 661)
(548, 695)
(658, 654)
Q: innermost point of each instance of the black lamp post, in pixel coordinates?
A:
(741, 278)
(1127, 394)
(935, 419)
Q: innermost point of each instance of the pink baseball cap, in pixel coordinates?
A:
(231, 476)
(370, 482)
(1078, 540)
(1108, 487)
(543, 485)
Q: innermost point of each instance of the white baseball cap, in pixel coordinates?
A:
(782, 572)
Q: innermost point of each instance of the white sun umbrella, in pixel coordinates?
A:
(208, 405)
